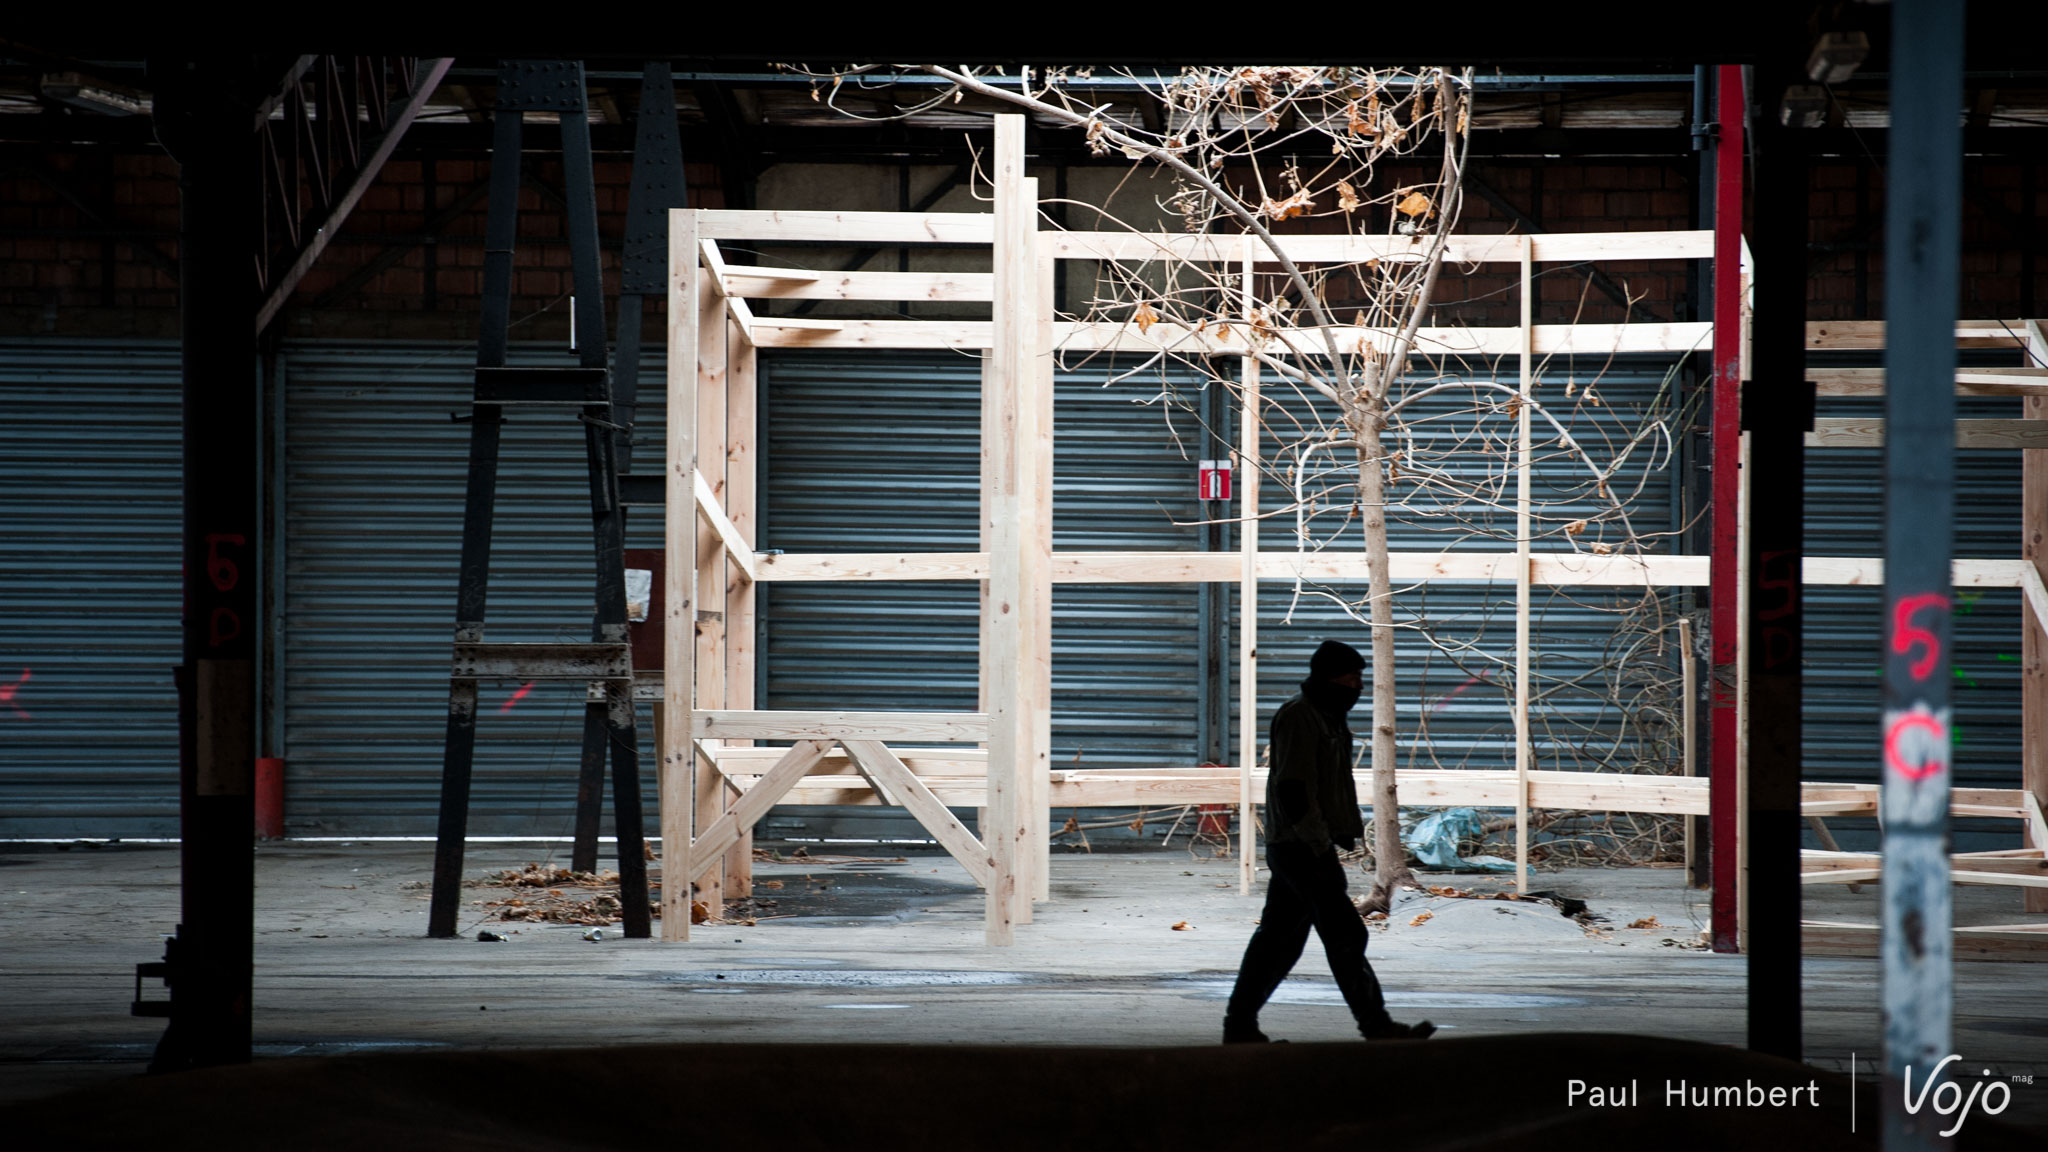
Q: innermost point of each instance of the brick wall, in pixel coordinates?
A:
(63, 269)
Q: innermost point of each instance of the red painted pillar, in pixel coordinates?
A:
(269, 798)
(1723, 574)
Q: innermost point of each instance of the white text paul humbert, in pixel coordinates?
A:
(1679, 1094)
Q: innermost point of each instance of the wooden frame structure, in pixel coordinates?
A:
(715, 784)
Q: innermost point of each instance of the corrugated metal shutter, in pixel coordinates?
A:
(880, 453)
(1583, 717)
(90, 461)
(1844, 625)
(373, 484)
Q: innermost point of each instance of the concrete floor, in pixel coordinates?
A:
(887, 948)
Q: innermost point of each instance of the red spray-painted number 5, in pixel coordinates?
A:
(1906, 635)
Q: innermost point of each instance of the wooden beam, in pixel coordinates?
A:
(1856, 432)
(2034, 620)
(884, 229)
(1524, 464)
(780, 284)
(1342, 249)
(2034, 865)
(732, 724)
(724, 532)
(787, 332)
(753, 804)
(911, 793)
(1869, 334)
(1990, 942)
(679, 647)
(741, 488)
(2035, 595)
(1688, 731)
(941, 761)
(1842, 876)
(708, 794)
(1008, 727)
(1103, 336)
(1039, 310)
(1247, 472)
(1969, 381)
(1559, 569)
(1584, 339)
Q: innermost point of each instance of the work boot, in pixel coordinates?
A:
(1390, 1030)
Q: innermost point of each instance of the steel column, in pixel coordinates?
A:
(1923, 235)
(203, 118)
(1778, 410)
(473, 580)
(1726, 456)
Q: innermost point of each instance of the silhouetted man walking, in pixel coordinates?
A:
(1311, 811)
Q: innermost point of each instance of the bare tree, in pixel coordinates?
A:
(1259, 150)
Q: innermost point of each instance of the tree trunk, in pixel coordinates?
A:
(1390, 859)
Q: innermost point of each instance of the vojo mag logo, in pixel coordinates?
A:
(1948, 1098)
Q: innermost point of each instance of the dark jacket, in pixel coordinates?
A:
(1310, 796)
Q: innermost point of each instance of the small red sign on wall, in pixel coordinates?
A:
(1215, 483)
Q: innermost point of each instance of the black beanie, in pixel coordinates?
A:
(1334, 658)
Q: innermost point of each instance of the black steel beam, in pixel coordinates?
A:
(860, 144)
(452, 828)
(1778, 404)
(202, 111)
(371, 162)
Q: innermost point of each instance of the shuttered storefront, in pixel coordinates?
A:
(881, 453)
(1844, 625)
(373, 486)
(862, 453)
(90, 464)
(1593, 649)
(878, 454)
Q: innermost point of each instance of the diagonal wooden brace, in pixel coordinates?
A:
(753, 804)
(881, 765)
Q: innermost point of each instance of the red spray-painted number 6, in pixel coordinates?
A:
(220, 569)
(1905, 634)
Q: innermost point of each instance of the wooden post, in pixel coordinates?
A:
(1009, 458)
(992, 434)
(1688, 726)
(2033, 650)
(679, 634)
(1523, 460)
(1247, 471)
(741, 489)
(707, 802)
(1038, 394)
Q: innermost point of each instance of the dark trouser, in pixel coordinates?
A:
(1307, 889)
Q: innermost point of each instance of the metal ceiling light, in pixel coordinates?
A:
(1804, 106)
(81, 91)
(1836, 56)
